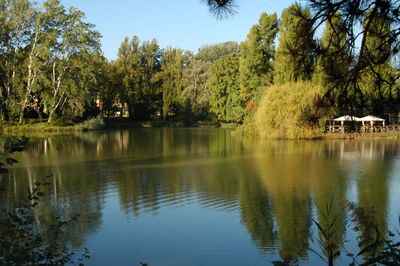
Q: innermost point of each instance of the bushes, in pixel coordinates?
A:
(91, 124)
(290, 111)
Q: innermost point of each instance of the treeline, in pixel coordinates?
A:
(49, 61)
(52, 66)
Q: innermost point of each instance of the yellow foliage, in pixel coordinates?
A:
(290, 111)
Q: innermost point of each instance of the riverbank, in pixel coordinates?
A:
(361, 135)
(105, 123)
(125, 123)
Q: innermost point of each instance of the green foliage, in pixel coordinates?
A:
(171, 76)
(23, 241)
(12, 146)
(290, 111)
(294, 56)
(224, 89)
(46, 60)
(333, 62)
(93, 123)
(378, 78)
(376, 248)
(256, 60)
(137, 66)
(195, 96)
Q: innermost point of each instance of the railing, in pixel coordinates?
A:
(362, 129)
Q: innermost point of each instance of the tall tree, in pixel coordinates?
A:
(171, 76)
(128, 66)
(294, 57)
(224, 89)
(378, 78)
(196, 95)
(371, 47)
(16, 27)
(256, 56)
(149, 97)
(66, 50)
(333, 61)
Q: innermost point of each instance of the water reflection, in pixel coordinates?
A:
(277, 188)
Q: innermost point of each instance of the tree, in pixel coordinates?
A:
(294, 57)
(224, 89)
(43, 51)
(67, 47)
(256, 56)
(378, 79)
(333, 62)
(16, 27)
(354, 13)
(195, 96)
(171, 76)
(371, 47)
(149, 96)
(128, 67)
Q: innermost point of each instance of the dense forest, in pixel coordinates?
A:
(52, 68)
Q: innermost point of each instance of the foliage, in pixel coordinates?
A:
(294, 56)
(378, 84)
(256, 60)
(290, 111)
(46, 59)
(372, 29)
(12, 146)
(171, 76)
(23, 242)
(93, 123)
(375, 246)
(137, 66)
(333, 62)
(195, 96)
(224, 89)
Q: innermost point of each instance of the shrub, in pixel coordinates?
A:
(290, 111)
(93, 123)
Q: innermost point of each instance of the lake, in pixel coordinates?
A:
(205, 196)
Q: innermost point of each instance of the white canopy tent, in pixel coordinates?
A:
(372, 119)
(346, 118)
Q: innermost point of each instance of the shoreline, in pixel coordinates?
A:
(118, 123)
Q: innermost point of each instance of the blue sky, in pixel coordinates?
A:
(185, 24)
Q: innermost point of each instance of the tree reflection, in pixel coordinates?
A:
(272, 184)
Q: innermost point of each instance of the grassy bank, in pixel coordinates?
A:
(37, 127)
(94, 123)
(104, 123)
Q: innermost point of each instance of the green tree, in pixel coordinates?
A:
(378, 79)
(68, 48)
(149, 96)
(294, 56)
(16, 28)
(333, 62)
(171, 76)
(196, 95)
(224, 89)
(256, 59)
(128, 68)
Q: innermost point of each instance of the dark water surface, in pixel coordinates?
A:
(204, 196)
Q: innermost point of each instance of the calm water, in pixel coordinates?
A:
(204, 196)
